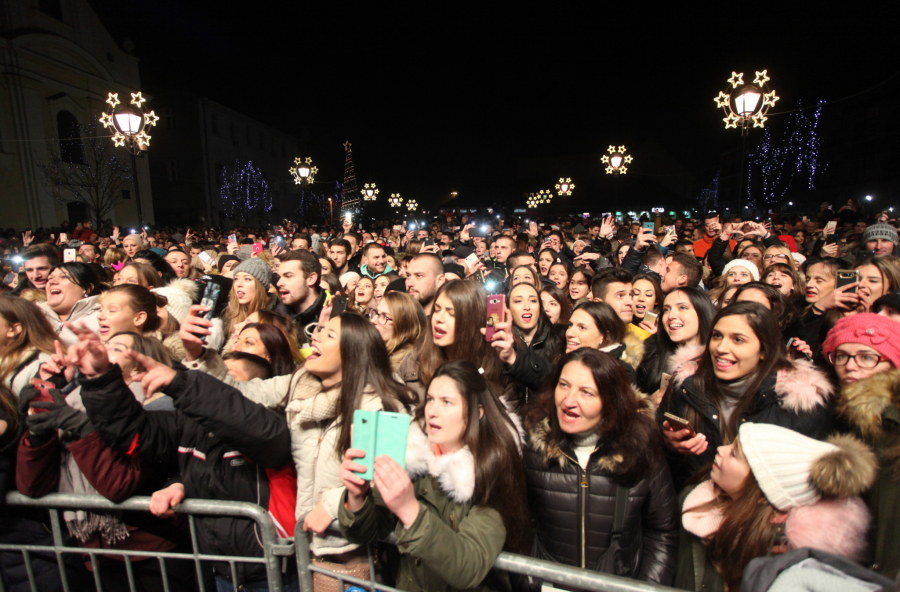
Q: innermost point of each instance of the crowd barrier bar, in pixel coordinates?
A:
(509, 562)
(275, 550)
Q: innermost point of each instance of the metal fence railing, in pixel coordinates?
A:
(275, 558)
(546, 571)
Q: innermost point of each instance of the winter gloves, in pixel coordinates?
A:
(49, 416)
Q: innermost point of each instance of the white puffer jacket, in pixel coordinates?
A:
(84, 312)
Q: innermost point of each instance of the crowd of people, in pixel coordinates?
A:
(709, 404)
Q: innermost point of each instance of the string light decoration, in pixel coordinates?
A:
(565, 186)
(244, 192)
(304, 173)
(396, 200)
(532, 201)
(351, 195)
(616, 160)
(412, 205)
(370, 192)
(789, 165)
(746, 103)
(544, 196)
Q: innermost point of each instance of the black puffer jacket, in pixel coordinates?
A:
(226, 446)
(576, 530)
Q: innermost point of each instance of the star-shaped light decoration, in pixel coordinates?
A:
(347, 146)
(610, 170)
(617, 156)
(611, 149)
(545, 195)
(732, 118)
(623, 170)
(106, 119)
(303, 163)
(412, 205)
(142, 139)
(532, 201)
(721, 100)
(367, 188)
(137, 100)
(627, 159)
(118, 139)
(396, 200)
(621, 149)
(113, 100)
(605, 159)
(298, 160)
(150, 118)
(565, 186)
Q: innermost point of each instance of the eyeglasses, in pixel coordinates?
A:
(379, 317)
(774, 256)
(863, 360)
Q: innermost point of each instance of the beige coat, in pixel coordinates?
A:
(84, 312)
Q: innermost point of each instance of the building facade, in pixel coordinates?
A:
(57, 66)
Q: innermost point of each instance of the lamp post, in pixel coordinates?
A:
(331, 210)
(745, 104)
(396, 200)
(565, 186)
(370, 192)
(130, 123)
(412, 205)
(532, 201)
(304, 173)
(616, 160)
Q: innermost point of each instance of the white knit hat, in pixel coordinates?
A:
(754, 270)
(795, 470)
(180, 294)
(798, 258)
(346, 277)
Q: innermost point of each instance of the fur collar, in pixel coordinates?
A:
(551, 450)
(634, 350)
(800, 388)
(864, 403)
(454, 472)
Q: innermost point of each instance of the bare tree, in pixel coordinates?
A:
(244, 192)
(87, 170)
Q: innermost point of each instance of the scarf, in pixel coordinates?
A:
(706, 523)
(310, 401)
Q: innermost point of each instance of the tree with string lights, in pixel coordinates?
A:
(789, 164)
(244, 192)
(86, 169)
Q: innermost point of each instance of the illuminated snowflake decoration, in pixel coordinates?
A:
(616, 160)
(135, 141)
(412, 205)
(544, 196)
(396, 200)
(370, 192)
(759, 90)
(303, 163)
(565, 186)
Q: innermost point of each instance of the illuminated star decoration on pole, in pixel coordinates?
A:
(532, 201)
(370, 192)
(616, 160)
(746, 103)
(304, 173)
(396, 201)
(134, 136)
(544, 196)
(412, 205)
(565, 186)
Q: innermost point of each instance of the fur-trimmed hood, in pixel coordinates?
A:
(551, 450)
(800, 388)
(867, 404)
(634, 350)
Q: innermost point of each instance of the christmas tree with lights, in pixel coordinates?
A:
(350, 194)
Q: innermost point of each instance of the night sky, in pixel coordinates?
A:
(444, 98)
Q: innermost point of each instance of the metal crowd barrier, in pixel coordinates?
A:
(276, 551)
(546, 571)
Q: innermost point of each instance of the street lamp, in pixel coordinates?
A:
(544, 196)
(370, 192)
(532, 201)
(565, 186)
(304, 173)
(395, 200)
(616, 160)
(130, 123)
(412, 205)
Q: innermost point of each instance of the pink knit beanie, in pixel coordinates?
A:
(878, 332)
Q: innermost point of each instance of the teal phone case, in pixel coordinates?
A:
(379, 433)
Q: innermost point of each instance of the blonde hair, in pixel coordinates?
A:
(113, 256)
(410, 322)
(36, 335)
(238, 313)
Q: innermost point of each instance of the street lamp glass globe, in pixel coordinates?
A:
(615, 160)
(370, 192)
(129, 121)
(303, 171)
(746, 102)
(564, 187)
(868, 198)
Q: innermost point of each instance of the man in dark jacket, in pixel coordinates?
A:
(301, 298)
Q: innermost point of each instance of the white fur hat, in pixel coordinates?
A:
(180, 294)
(754, 270)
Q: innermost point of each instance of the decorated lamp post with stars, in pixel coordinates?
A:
(370, 192)
(304, 173)
(745, 104)
(616, 160)
(544, 196)
(396, 200)
(532, 201)
(565, 186)
(130, 124)
(412, 205)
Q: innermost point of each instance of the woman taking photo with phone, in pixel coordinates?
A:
(743, 376)
(461, 499)
(600, 492)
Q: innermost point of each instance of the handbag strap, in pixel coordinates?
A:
(621, 507)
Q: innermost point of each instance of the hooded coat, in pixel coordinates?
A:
(452, 545)
(795, 398)
(872, 409)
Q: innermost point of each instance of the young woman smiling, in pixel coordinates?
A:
(877, 276)
(128, 308)
(592, 449)
(461, 499)
(647, 295)
(744, 375)
(580, 285)
(73, 294)
(785, 278)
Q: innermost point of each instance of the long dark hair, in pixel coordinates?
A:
(565, 305)
(623, 429)
(493, 439)
(660, 347)
(773, 357)
(606, 320)
(470, 312)
(362, 346)
(277, 346)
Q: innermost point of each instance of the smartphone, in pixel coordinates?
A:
(471, 260)
(44, 387)
(831, 227)
(232, 238)
(379, 433)
(398, 227)
(428, 242)
(664, 381)
(279, 240)
(677, 424)
(478, 231)
(64, 238)
(338, 305)
(257, 248)
(651, 226)
(348, 217)
(68, 255)
(847, 277)
(495, 305)
(651, 317)
(586, 216)
(210, 299)
(205, 257)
